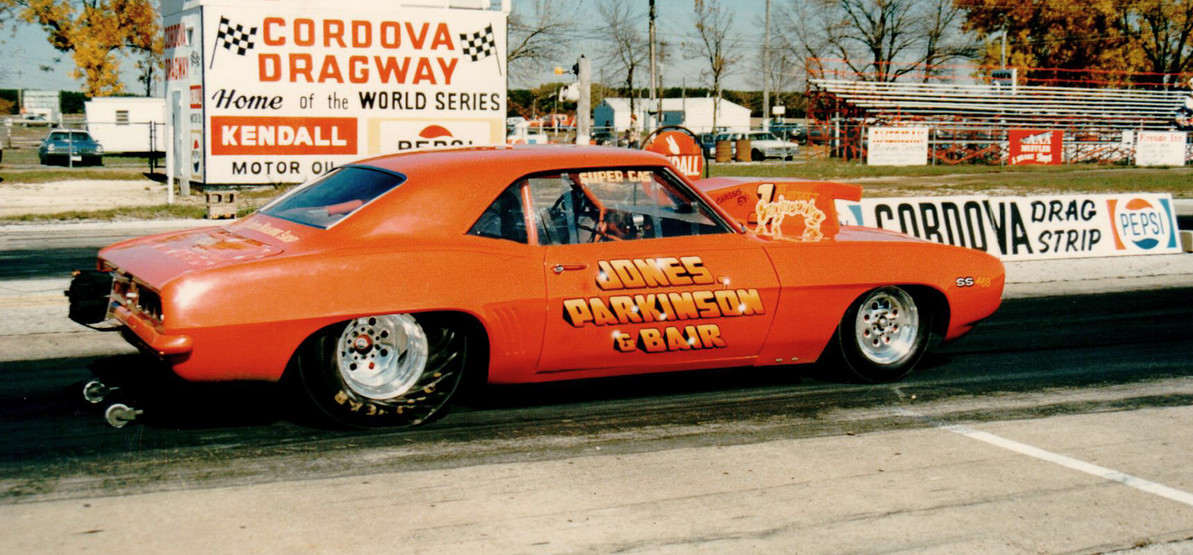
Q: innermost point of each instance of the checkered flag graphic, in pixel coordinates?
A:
(233, 37)
(480, 45)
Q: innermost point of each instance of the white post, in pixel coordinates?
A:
(766, 73)
(583, 110)
(169, 139)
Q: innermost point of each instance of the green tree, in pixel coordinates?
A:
(95, 33)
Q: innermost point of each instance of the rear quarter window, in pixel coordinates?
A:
(333, 197)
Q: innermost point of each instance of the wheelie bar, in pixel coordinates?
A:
(117, 415)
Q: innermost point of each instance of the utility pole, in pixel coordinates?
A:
(1003, 57)
(653, 72)
(766, 73)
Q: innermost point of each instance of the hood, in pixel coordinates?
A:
(157, 259)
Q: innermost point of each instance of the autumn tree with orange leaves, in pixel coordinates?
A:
(95, 33)
(1116, 42)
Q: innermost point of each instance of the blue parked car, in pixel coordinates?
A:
(70, 147)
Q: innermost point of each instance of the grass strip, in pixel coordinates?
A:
(156, 212)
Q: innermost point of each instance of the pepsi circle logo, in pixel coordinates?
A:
(434, 132)
(1141, 223)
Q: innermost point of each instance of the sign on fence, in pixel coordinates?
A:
(1035, 147)
(1160, 148)
(897, 146)
(1027, 228)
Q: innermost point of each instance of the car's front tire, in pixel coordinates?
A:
(883, 334)
(756, 155)
(384, 370)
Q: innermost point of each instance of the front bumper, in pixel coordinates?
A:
(780, 152)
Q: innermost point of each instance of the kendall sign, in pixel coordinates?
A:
(681, 149)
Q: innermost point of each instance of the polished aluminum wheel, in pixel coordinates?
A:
(382, 357)
(887, 326)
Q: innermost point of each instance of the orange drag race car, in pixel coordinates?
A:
(378, 287)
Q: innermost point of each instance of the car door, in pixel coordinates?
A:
(642, 276)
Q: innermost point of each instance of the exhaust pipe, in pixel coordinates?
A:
(119, 415)
(96, 391)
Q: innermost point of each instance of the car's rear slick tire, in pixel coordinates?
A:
(407, 396)
(882, 335)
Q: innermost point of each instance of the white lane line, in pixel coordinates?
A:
(1128, 480)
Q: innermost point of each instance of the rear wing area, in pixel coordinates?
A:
(794, 209)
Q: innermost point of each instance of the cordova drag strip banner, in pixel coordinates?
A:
(1029, 228)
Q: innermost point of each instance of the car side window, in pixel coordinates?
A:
(504, 219)
(619, 204)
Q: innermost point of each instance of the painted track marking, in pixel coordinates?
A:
(1128, 480)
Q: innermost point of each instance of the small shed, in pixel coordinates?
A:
(127, 124)
(694, 113)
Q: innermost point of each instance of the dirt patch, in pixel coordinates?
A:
(49, 198)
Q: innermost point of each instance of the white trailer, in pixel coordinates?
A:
(260, 91)
(127, 124)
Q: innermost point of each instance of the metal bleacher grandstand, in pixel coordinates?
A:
(1007, 106)
(969, 113)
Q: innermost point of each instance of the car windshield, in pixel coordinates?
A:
(76, 136)
(762, 137)
(332, 197)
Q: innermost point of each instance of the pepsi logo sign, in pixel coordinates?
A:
(392, 135)
(1141, 223)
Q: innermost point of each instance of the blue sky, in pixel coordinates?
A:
(676, 26)
(25, 49)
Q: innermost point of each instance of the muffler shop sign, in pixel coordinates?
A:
(1035, 147)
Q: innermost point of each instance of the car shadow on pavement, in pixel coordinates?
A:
(144, 384)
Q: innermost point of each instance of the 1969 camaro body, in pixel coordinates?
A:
(377, 287)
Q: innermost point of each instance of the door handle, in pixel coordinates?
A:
(561, 268)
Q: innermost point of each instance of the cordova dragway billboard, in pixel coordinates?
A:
(266, 91)
(1027, 228)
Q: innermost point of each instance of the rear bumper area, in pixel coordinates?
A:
(95, 299)
(150, 338)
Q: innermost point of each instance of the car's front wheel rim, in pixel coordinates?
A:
(887, 326)
(382, 357)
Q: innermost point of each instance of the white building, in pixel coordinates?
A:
(694, 113)
(127, 124)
